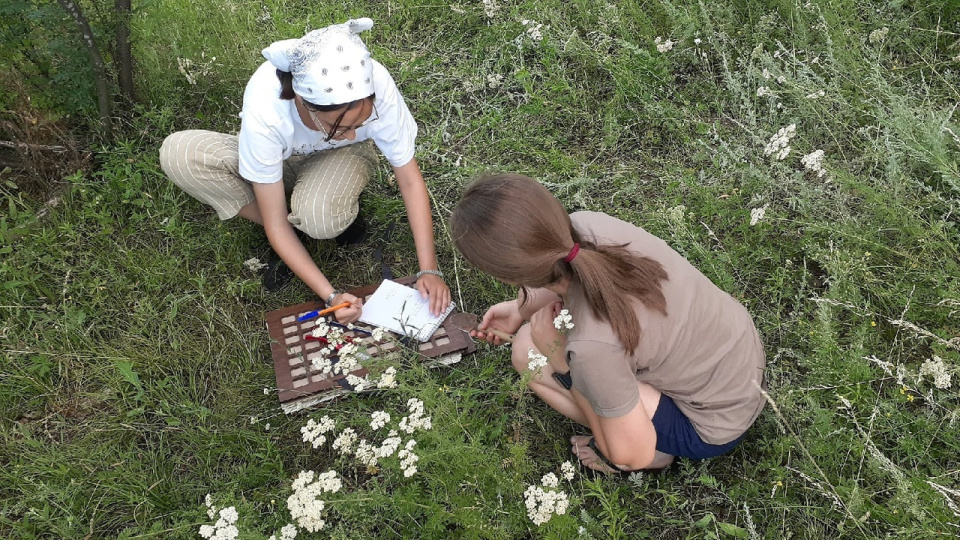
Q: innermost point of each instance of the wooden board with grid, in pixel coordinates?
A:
(293, 354)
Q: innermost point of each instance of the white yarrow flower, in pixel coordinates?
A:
(550, 480)
(876, 36)
(814, 162)
(563, 321)
(225, 527)
(936, 370)
(359, 384)
(544, 504)
(388, 379)
(288, 532)
(663, 45)
(304, 504)
(379, 419)
(254, 265)
(490, 8)
(757, 214)
(537, 360)
(779, 144)
(345, 441)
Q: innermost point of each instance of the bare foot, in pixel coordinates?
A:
(580, 444)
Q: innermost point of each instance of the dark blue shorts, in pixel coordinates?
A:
(677, 437)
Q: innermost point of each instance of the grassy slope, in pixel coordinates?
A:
(134, 353)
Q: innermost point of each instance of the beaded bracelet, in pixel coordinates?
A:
(329, 300)
(434, 272)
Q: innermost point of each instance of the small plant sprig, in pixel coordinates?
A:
(563, 322)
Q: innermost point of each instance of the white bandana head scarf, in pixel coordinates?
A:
(330, 66)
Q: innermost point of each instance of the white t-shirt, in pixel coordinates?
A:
(271, 129)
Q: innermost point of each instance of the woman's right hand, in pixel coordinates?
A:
(504, 317)
(348, 314)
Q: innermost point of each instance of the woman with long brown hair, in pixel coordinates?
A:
(654, 359)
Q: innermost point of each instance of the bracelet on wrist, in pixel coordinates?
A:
(329, 300)
(434, 272)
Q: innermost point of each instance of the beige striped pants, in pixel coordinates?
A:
(324, 187)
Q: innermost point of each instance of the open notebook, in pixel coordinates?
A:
(401, 309)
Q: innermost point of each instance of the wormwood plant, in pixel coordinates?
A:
(133, 347)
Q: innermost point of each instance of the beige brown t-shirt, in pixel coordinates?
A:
(705, 353)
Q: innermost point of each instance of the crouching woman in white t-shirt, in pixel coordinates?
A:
(307, 112)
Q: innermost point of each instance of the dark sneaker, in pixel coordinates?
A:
(355, 234)
(276, 274)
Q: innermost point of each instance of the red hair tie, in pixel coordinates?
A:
(573, 253)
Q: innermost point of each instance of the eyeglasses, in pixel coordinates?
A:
(341, 130)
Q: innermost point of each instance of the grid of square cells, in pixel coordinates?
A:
(302, 351)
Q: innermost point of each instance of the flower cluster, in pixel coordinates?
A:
(288, 532)
(254, 264)
(757, 214)
(342, 354)
(663, 45)
(314, 431)
(879, 35)
(369, 453)
(937, 370)
(226, 526)
(344, 442)
(335, 343)
(388, 379)
(416, 420)
(563, 321)
(408, 459)
(305, 506)
(543, 502)
(534, 29)
(567, 470)
(814, 162)
(359, 384)
(537, 360)
(379, 419)
(196, 70)
(779, 144)
(490, 8)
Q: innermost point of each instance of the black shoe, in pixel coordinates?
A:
(355, 234)
(276, 274)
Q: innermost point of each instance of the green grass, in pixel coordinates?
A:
(134, 353)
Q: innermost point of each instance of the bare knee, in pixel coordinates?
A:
(522, 344)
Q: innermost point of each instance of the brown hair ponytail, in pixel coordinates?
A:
(513, 228)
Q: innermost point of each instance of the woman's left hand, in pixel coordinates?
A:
(546, 338)
(432, 287)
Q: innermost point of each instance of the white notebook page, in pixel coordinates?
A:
(401, 309)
